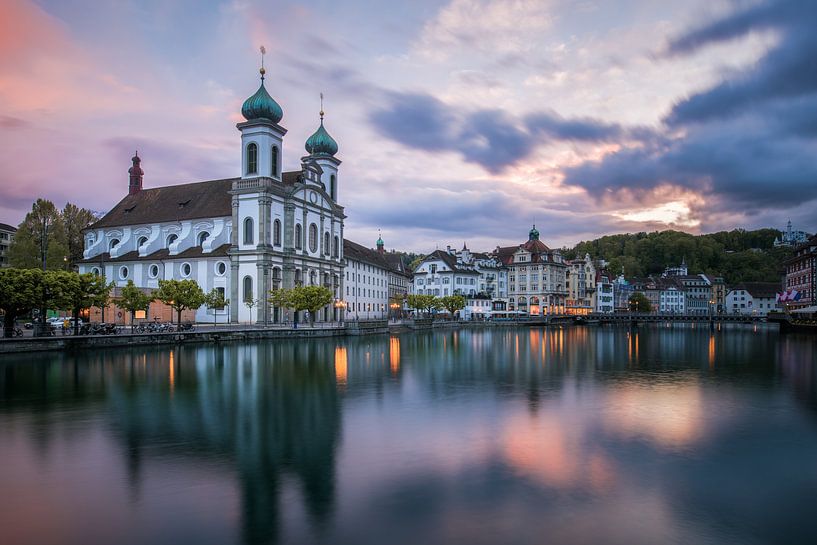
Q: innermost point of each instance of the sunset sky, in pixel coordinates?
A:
(458, 120)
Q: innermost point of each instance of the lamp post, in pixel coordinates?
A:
(394, 307)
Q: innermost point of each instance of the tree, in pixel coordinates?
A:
(250, 302)
(427, 303)
(78, 292)
(180, 295)
(452, 303)
(215, 300)
(41, 229)
(639, 303)
(134, 299)
(310, 298)
(74, 220)
(20, 291)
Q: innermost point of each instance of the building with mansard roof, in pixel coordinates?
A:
(537, 277)
(261, 230)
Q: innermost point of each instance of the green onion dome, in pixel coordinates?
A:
(533, 234)
(321, 143)
(261, 105)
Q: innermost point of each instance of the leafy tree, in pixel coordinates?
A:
(215, 300)
(427, 303)
(80, 291)
(180, 295)
(20, 291)
(639, 303)
(134, 299)
(74, 220)
(452, 303)
(43, 222)
(311, 298)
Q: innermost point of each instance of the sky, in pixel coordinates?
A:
(457, 120)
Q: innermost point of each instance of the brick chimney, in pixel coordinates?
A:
(136, 173)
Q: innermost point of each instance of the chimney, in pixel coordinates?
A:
(136, 173)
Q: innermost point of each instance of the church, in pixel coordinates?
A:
(264, 230)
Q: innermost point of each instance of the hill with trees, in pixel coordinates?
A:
(737, 256)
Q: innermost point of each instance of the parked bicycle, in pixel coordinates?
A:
(99, 329)
(187, 326)
(155, 327)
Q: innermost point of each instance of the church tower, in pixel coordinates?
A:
(135, 172)
(261, 136)
(322, 148)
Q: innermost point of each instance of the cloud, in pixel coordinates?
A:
(748, 142)
(490, 138)
(788, 70)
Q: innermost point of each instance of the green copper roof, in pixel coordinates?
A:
(379, 241)
(321, 143)
(262, 106)
(533, 234)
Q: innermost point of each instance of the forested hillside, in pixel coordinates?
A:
(738, 256)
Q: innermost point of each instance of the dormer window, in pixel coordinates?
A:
(252, 158)
(114, 243)
(171, 239)
(203, 236)
(141, 242)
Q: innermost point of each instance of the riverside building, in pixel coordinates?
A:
(262, 230)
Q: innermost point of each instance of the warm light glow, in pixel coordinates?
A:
(670, 213)
(394, 355)
(172, 370)
(341, 365)
(711, 351)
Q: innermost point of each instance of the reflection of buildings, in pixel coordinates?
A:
(271, 410)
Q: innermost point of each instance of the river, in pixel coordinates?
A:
(570, 435)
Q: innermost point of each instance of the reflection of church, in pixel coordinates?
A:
(270, 411)
(244, 236)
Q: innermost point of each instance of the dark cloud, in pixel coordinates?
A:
(788, 70)
(490, 138)
(750, 140)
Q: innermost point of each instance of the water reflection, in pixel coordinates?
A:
(461, 436)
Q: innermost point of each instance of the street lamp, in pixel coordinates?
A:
(340, 304)
(41, 325)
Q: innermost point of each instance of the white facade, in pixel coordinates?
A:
(605, 295)
(439, 274)
(741, 301)
(366, 290)
(266, 229)
(672, 301)
(581, 285)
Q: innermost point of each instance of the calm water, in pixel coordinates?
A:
(582, 435)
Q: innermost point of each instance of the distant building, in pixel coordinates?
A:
(581, 286)
(477, 307)
(537, 277)
(6, 236)
(622, 291)
(752, 298)
(791, 237)
(681, 270)
(801, 276)
(605, 293)
(698, 293)
(373, 279)
(440, 274)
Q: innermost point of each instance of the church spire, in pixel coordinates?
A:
(136, 173)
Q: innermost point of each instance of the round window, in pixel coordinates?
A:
(154, 271)
(95, 271)
(123, 272)
(186, 269)
(221, 268)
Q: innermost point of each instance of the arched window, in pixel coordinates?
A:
(298, 237)
(171, 239)
(252, 158)
(141, 242)
(204, 235)
(274, 162)
(276, 232)
(248, 295)
(326, 243)
(313, 278)
(298, 277)
(114, 243)
(248, 231)
(332, 188)
(313, 237)
(336, 248)
(276, 278)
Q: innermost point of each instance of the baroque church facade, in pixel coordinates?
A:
(245, 236)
